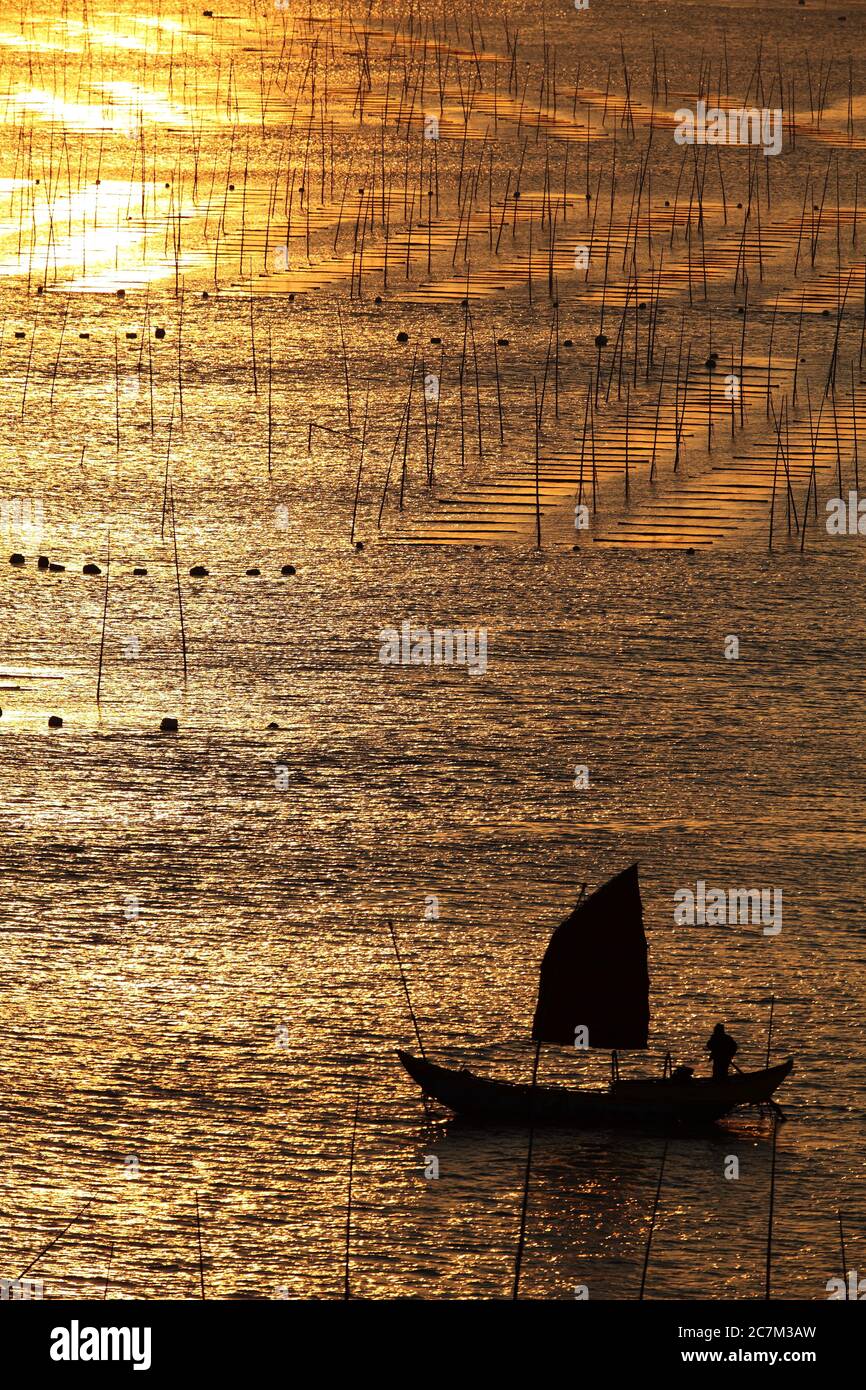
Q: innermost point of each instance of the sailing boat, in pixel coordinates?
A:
(594, 976)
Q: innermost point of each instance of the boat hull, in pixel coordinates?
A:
(662, 1101)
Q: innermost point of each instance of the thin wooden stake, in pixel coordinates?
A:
(108, 1270)
(44, 1251)
(537, 480)
(200, 1256)
(649, 1239)
(770, 1028)
(772, 1202)
(346, 1286)
(177, 577)
(104, 616)
(518, 1259)
(360, 467)
(406, 989)
(844, 1258)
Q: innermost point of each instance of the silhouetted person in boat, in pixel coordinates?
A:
(721, 1047)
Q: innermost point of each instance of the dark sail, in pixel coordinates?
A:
(594, 972)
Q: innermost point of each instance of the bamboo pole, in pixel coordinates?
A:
(108, 1270)
(537, 479)
(770, 1214)
(104, 617)
(524, 1206)
(177, 578)
(44, 1251)
(770, 1029)
(844, 1258)
(775, 474)
(360, 467)
(649, 1239)
(200, 1255)
(345, 369)
(406, 988)
(346, 1269)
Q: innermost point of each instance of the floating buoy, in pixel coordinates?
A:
(16, 559)
(359, 545)
(575, 547)
(91, 569)
(288, 569)
(42, 563)
(55, 722)
(569, 342)
(272, 725)
(20, 333)
(205, 295)
(402, 337)
(198, 571)
(711, 364)
(378, 299)
(502, 342)
(601, 340)
(159, 333)
(84, 335)
(436, 340)
(56, 569)
(690, 550)
(121, 294)
(253, 572)
(132, 335)
(168, 725)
